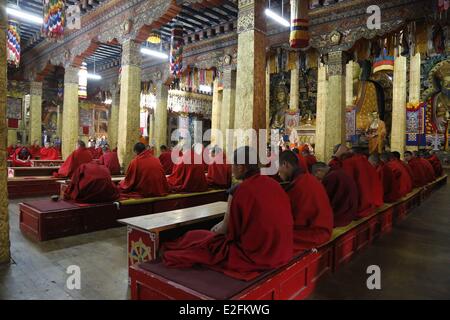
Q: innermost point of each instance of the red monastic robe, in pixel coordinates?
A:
(391, 182)
(145, 177)
(428, 168)
(96, 152)
(17, 161)
(335, 163)
(437, 165)
(302, 163)
(259, 235)
(311, 210)
(406, 181)
(188, 177)
(310, 161)
(48, 153)
(91, 183)
(370, 189)
(35, 151)
(343, 195)
(111, 161)
(419, 172)
(10, 150)
(219, 172)
(76, 159)
(166, 161)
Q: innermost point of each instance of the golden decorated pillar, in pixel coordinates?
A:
(35, 112)
(414, 78)
(113, 128)
(295, 90)
(130, 95)
(228, 102)
(250, 112)
(160, 127)
(70, 134)
(59, 121)
(4, 215)
(349, 76)
(336, 103)
(398, 131)
(322, 102)
(216, 134)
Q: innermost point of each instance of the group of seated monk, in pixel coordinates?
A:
(264, 225)
(21, 156)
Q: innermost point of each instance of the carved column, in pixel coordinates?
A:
(113, 127)
(414, 78)
(228, 103)
(322, 102)
(349, 75)
(129, 112)
(70, 133)
(294, 95)
(250, 83)
(160, 135)
(335, 108)
(4, 215)
(36, 112)
(216, 114)
(399, 106)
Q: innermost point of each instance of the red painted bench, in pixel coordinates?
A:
(27, 187)
(42, 163)
(14, 172)
(152, 280)
(46, 219)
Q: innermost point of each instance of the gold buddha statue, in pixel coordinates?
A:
(279, 106)
(441, 101)
(376, 134)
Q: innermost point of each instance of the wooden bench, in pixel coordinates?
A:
(46, 219)
(14, 172)
(27, 187)
(146, 233)
(296, 280)
(43, 163)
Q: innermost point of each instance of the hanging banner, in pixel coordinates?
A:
(415, 124)
(82, 82)
(54, 18)
(144, 123)
(176, 51)
(299, 37)
(13, 44)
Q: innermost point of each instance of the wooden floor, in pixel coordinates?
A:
(414, 261)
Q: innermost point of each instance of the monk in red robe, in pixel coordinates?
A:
(301, 160)
(401, 183)
(35, 149)
(10, 150)
(166, 159)
(311, 209)
(436, 163)
(22, 158)
(430, 173)
(405, 165)
(219, 171)
(189, 175)
(309, 158)
(110, 160)
(259, 233)
(80, 156)
(145, 175)
(342, 192)
(370, 189)
(420, 175)
(91, 183)
(48, 153)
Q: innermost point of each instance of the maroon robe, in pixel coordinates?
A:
(419, 172)
(391, 182)
(259, 235)
(145, 177)
(188, 177)
(35, 151)
(111, 161)
(437, 166)
(370, 189)
(166, 161)
(219, 172)
(343, 194)
(76, 159)
(310, 161)
(91, 183)
(406, 183)
(428, 168)
(48, 153)
(311, 210)
(19, 161)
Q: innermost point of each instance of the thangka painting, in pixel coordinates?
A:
(14, 108)
(350, 125)
(415, 124)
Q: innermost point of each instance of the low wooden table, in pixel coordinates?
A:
(14, 172)
(146, 232)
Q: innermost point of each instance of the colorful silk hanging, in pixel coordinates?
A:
(176, 51)
(299, 37)
(13, 44)
(54, 18)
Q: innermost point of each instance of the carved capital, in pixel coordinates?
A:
(131, 54)
(251, 16)
(336, 63)
(36, 88)
(71, 75)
